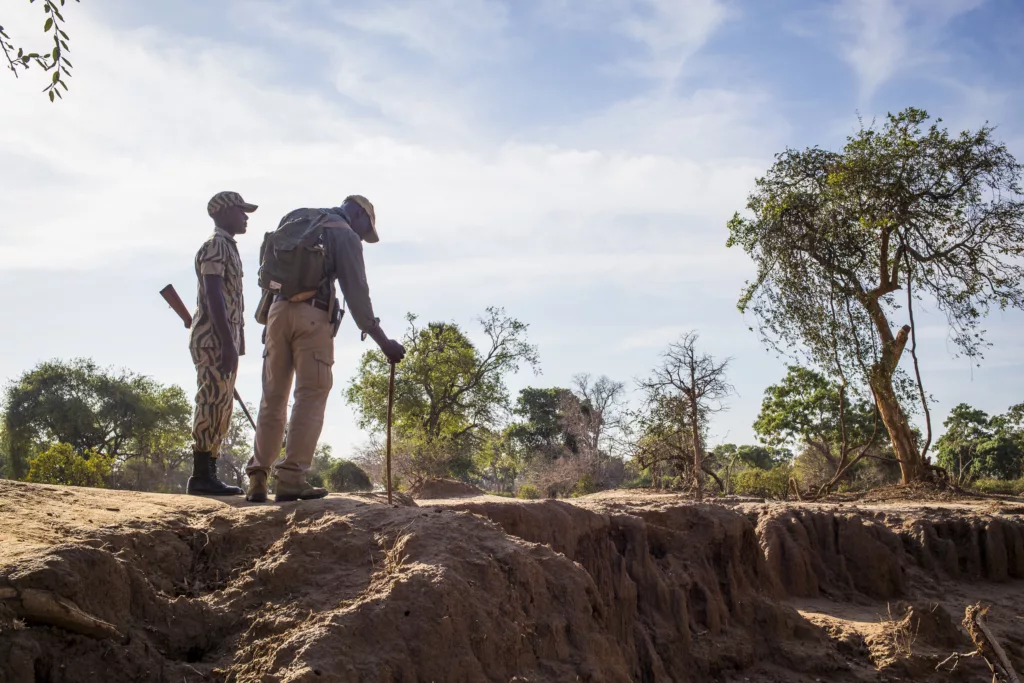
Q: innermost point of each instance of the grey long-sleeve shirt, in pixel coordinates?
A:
(345, 261)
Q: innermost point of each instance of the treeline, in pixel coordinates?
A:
(77, 424)
(454, 417)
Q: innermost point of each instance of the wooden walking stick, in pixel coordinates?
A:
(391, 405)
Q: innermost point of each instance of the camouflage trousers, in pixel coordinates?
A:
(214, 401)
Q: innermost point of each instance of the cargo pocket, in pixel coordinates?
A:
(324, 371)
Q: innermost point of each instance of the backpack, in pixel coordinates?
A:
(293, 259)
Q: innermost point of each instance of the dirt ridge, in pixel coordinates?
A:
(490, 589)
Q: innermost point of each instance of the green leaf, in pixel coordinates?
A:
(48, 24)
(51, 96)
(56, 76)
(62, 34)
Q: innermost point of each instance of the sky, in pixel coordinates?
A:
(573, 161)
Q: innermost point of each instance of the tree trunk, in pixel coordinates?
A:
(698, 451)
(912, 464)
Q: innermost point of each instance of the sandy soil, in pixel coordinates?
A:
(618, 586)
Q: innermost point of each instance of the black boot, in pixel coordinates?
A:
(204, 481)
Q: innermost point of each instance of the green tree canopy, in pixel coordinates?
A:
(836, 235)
(118, 414)
(804, 408)
(540, 427)
(975, 445)
(449, 394)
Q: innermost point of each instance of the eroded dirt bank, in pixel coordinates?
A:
(616, 587)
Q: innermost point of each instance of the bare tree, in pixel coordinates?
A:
(694, 384)
(591, 414)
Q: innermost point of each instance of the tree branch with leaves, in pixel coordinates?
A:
(54, 59)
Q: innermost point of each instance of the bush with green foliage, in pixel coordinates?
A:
(773, 483)
(345, 475)
(60, 464)
(1005, 487)
(528, 492)
(585, 486)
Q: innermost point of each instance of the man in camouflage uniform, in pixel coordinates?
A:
(299, 344)
(217, 339)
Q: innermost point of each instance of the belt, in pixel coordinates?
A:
(312, 301)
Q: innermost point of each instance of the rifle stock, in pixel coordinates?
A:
(171, 297)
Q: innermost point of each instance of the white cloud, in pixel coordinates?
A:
(447, 31)
(669, 32)
(887, 37)
(672, 32)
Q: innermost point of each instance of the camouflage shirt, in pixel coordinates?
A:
(217, 256)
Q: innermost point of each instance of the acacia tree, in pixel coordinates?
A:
(836, 235)
(682, 393)
(54, 59)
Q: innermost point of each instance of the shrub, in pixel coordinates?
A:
(528, 492)
(584, 485)
(503, 494)
(773, 483)
(1006, 487)
(345, 475)
(60, 464)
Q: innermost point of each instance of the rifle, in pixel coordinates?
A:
(175, 302)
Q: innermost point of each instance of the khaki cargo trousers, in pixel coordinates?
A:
(300, 343)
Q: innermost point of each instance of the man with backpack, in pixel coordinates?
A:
(216, 339)
(299, 263)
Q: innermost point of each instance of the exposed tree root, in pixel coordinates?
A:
(44, 607)
(988, 646)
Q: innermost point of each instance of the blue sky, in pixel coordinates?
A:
(574, 161)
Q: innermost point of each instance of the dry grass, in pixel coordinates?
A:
(900, 632)
(393, 548)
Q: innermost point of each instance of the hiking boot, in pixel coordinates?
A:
(204, 481)
(257, 488)
(303, 490)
